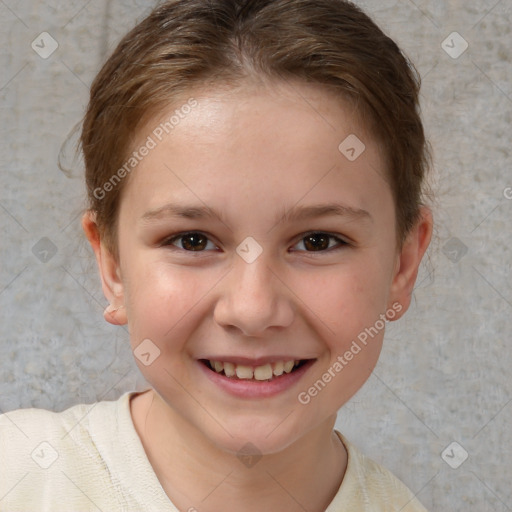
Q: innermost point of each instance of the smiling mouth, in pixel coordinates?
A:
(266, 372)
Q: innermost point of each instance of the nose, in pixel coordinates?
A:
(254, 299)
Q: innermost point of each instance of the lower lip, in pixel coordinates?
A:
(245, 388)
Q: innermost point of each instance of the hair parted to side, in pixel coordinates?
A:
(185, 44)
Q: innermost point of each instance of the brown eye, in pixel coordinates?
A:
(318, 242)
(192, 241)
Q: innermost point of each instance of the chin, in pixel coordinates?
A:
(263, 436)
(256, 445)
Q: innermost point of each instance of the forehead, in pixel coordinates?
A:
(264, 107)
(258, 141)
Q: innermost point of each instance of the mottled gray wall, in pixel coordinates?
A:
(444, 375)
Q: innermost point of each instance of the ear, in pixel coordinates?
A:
(408, 261)
(110, 272)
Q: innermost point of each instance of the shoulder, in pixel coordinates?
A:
(44, 452)
(368, 486)
(29, 422)
(23, 430)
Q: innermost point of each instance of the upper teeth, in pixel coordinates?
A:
(264, 372)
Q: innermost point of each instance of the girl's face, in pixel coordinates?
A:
(249, 239)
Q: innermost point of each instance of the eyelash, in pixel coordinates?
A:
(168, 242)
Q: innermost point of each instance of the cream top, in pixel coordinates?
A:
(90, 457)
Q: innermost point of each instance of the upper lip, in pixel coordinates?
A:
(259, 361)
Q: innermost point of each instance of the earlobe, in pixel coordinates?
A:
(111, 315)
(109, 270)
(409, 259)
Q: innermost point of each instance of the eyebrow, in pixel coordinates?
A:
(324, 210)
(296, 213)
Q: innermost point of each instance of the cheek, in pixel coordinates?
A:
(349, 309)
(149, 290)
(351, 306)
(163, 299)
(349, 298)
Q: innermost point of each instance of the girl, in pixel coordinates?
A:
(255, 172)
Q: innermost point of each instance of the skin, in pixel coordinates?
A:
(252, 154)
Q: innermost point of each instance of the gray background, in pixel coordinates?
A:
(444, 374)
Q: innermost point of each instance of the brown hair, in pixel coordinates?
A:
(188, 43)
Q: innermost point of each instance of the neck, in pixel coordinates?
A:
(197, 475)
